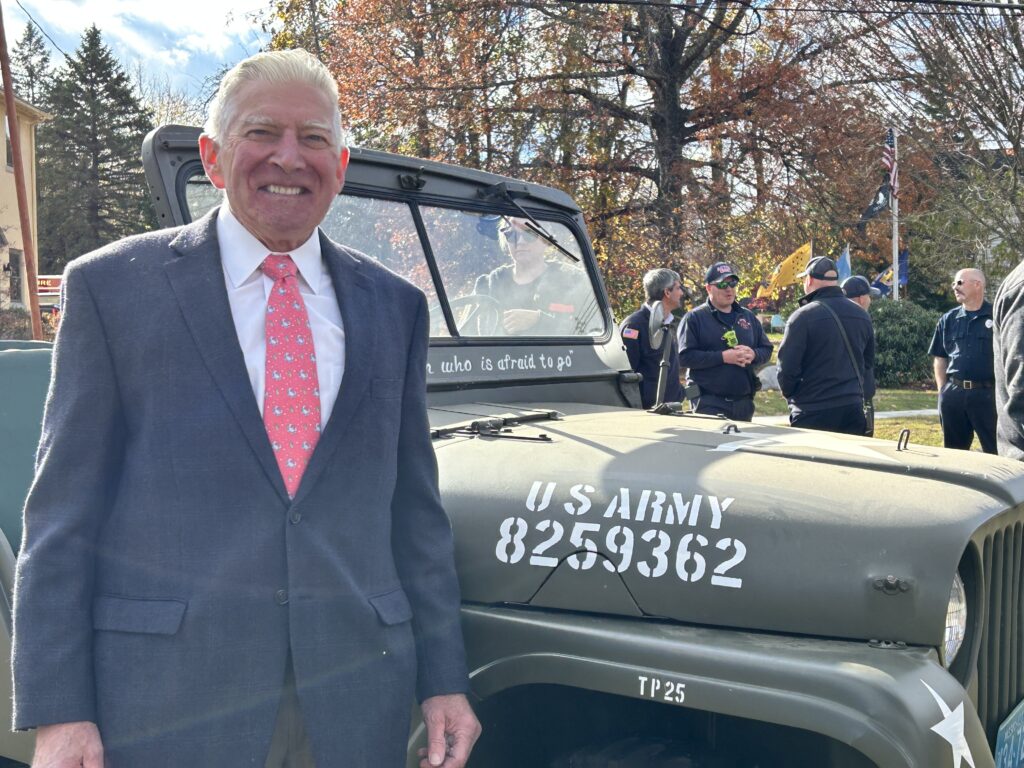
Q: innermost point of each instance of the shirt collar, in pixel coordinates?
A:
(985, 310)
(736, 307)
(241, 253)
(825, 292)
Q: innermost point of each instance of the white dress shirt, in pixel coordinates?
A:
(248, 290)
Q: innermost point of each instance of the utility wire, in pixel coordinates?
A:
(682, 6)
(41, 29)
(964, 4)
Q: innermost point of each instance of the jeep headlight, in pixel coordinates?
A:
(956, 622)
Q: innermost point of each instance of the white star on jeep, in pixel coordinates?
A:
(951, 728)
(822, 441)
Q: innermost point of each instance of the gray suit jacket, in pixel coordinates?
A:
(165, 575)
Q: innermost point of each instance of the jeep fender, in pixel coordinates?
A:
(878, 701)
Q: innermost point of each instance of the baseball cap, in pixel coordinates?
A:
(821, 268)
(719, 271)
(859, 286)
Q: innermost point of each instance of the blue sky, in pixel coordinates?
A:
(181, 40)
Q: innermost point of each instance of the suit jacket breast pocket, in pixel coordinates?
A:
(153, 616)
(386, 389)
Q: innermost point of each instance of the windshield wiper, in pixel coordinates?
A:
(509, 192)
(498, 426)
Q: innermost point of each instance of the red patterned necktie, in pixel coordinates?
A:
(291, 403)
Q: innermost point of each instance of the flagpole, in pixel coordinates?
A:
(895, 203)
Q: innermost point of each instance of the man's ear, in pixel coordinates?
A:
(343, 159)
(209, 152)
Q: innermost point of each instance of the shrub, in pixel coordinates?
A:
(15, 324)
(903, 333)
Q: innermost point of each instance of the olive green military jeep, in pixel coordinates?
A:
(652, 589)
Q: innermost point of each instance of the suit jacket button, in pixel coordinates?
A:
(295, 517)
(281, 596)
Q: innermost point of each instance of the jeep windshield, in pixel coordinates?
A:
(485, 274)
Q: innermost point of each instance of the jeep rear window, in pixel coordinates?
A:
(500, 275)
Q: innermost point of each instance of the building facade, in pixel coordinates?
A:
(13, 281)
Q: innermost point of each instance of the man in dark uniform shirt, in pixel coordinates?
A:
(721, 343)
(826, 389)
(660, 286)
(964, 371)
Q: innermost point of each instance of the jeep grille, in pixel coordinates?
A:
(1001, 657)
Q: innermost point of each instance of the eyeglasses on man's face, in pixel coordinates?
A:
(961, 281)
(725, 285)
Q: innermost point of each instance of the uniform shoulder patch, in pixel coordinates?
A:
(630, 333)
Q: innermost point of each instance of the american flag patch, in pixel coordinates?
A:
(630, 333)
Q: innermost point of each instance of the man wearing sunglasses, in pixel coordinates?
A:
(963, 364)
(538, 293)
(827, 355)
(722, 343)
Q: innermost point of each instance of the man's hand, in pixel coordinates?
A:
(452, 730)
(741, 355)
(68, 745)
(520, 320)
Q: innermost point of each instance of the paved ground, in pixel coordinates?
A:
(784, 420)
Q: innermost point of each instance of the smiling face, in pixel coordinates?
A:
(280, 164)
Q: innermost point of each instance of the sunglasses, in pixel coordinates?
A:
(515, 235)
(961, 281)
(726, 284)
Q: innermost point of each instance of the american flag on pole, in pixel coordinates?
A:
(889, 161)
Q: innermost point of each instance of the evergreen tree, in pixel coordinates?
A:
(92, 188)
(30, 66)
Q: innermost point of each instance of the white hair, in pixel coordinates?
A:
(291, 66)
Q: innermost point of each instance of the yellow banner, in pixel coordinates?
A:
(786, 272)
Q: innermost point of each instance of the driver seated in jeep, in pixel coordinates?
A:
(535, 295)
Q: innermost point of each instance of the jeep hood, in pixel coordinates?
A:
(702, 520)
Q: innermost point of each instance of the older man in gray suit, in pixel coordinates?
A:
(235, 552)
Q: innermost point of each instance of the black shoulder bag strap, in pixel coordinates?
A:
(849, 349)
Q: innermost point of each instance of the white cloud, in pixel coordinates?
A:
(184, 38)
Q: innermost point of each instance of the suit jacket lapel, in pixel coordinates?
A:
(197, 278)
(356, 294)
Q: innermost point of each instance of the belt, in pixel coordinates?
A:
(967, 384)
(736, 399)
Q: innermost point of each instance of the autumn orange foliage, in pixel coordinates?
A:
(686, 135)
